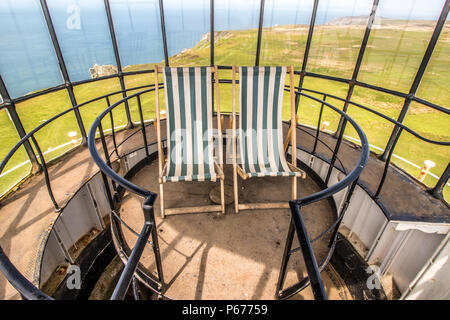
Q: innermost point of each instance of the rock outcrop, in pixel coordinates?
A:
(101, 71)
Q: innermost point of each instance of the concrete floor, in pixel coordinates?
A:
(231, 256)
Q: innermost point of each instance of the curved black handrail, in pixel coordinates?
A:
(24, 285)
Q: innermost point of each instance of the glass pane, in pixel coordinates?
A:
(84, 37)
(411, 152)
(56, 137)
(377, 129)
(308, 110)
(398, 40)
(436, 79)
(285, 30)
(236, 25)
(19, 165)
(27, 58)
(148, 102)
(90, 111)
(137, 24)
(187, 29)
(337, 36)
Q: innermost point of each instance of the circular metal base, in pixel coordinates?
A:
(214, 194)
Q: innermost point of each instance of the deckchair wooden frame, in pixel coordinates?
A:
(238, 170)
(162, 160)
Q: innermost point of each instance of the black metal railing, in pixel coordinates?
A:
(106, 170)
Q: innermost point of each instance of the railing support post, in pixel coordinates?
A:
(308, 254)
(439, 187)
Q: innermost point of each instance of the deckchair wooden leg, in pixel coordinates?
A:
(161, 197)
(222, 194)
(235, 187)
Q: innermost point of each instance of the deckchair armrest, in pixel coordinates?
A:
(295, 169)
(219, 170)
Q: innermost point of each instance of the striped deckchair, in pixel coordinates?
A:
(190, 132)
(260, 134)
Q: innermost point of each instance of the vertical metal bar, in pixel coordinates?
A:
(144, 135)
(105, 151)
(318, 126)
(63, 69)
(128, 272)
(211, 31)
(306, 54)
(47, 178)
(156, 251)
(335, 152)
(286, 256)
(343, 211)
(163, 31)
(417, 79)
(386, 165)
(439, 187)
(118, 63)
(260, 26)
(308, 254)
(362, 49)
(11, 108)
(62, 246)
(113, 132)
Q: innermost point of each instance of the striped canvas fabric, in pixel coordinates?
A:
(261, 136)
(189, 124)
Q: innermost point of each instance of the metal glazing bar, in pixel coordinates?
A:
(63, 68)
(260, 26)
(362, 49)
(308, 254)
(306, 54)
(163, 31)
(118, 63)
(211, 32)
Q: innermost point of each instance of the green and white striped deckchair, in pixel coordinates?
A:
(190, 131)
(260, 134)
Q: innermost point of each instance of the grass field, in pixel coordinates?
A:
(392, 57)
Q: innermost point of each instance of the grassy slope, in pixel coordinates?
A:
(391, 60)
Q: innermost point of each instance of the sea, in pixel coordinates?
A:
(28, 61)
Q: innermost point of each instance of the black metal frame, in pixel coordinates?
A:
(29, 291)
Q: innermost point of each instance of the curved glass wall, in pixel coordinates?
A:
(284, 33)
(27, 59)
(236, 24)
(187, 28)
(137, 24)
(434, 84)
(84, 37)
(337, 37)
(398, 39)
